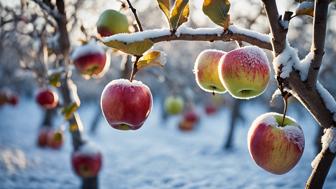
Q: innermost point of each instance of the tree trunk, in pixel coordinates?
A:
(90, 183)
(96, 119)
(47, 118)
(233, 123)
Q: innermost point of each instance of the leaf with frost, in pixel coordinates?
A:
(179, 13)
(152, 58)
(217, 11)
(69, 110)
(165, 7)
(134, 48)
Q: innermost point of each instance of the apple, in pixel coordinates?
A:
(42, 138)
(86, 161)
(91, 60)
(55, 139)
(111, 22)
(173, 105)
(245, 72)
(47, 98)
(206, 71)
(125, 104)
(13, 100)
(8, 97)
(189, 120)
(274, 146)
(210, 109)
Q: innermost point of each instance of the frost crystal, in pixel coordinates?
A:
(329, 139)
(287, 59)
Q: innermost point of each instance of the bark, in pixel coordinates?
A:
(235, 115)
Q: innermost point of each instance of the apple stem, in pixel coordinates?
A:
(135, 68)
(285, 99)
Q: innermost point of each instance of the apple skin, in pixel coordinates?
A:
(245, 72)
(55, 139)
(173, 105)
(206, 71)
(42, 138)
(91, 60)
(273, 147)
(125, 104)
(111, 22)
(85, 164)
(47, 98)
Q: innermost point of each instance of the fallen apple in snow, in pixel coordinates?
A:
(275, 147)
(91, 60)
(47, 98)
(245, 72)
(189, 120)
(125, 104)
(173, 105)
(206, 71)
(87, 160)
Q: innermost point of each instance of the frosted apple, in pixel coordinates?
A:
(245, 72)
(55, 139)
(125, 104)
(275, 147)
(111, 22)
(87, 160)
(206, 71)
(47, 98)
(173, 105)
(91, 60)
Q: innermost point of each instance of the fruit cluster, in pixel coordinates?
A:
(8, 97)
(48, 137)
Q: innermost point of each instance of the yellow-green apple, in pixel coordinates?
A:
(55, 139)
(111, 22)
(206, 71)
(91, 60)
(189, 120)
(245, 72)
(173, 105)
(125, 104)
(87, 160)
(42, 138)
(273, 145)
(47, 98)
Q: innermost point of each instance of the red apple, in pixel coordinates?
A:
(273, 145)
(13, 100)
(55, 139)
(189, 121)
(86, 161)
(91, 60)
(47, 98)
(245, 72)
(210, 109)
(42, 139)
(8, 97)
(125, 104)
(206, 71)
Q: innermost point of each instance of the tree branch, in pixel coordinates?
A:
(135, 15)
(47, 9)
(317, 48)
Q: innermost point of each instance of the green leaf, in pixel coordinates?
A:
(152, 58)
(55, 79)
(136, 48)
(217, 11)
(305, 8)
(69, 110)
(165, 7)
(179, 13)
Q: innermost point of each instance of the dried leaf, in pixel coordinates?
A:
(135, 48)
(217, 11)
(165, 7)
(179, 13)
(152, 58)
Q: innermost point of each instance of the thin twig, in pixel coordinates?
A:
(135, 15)
(135, 68)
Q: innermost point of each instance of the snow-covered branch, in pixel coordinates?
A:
(199, 34)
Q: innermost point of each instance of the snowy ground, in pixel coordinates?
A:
(157, 156)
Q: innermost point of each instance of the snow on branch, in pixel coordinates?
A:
(284, 62)
(303, 66)
(327, 98)
(198, 34)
